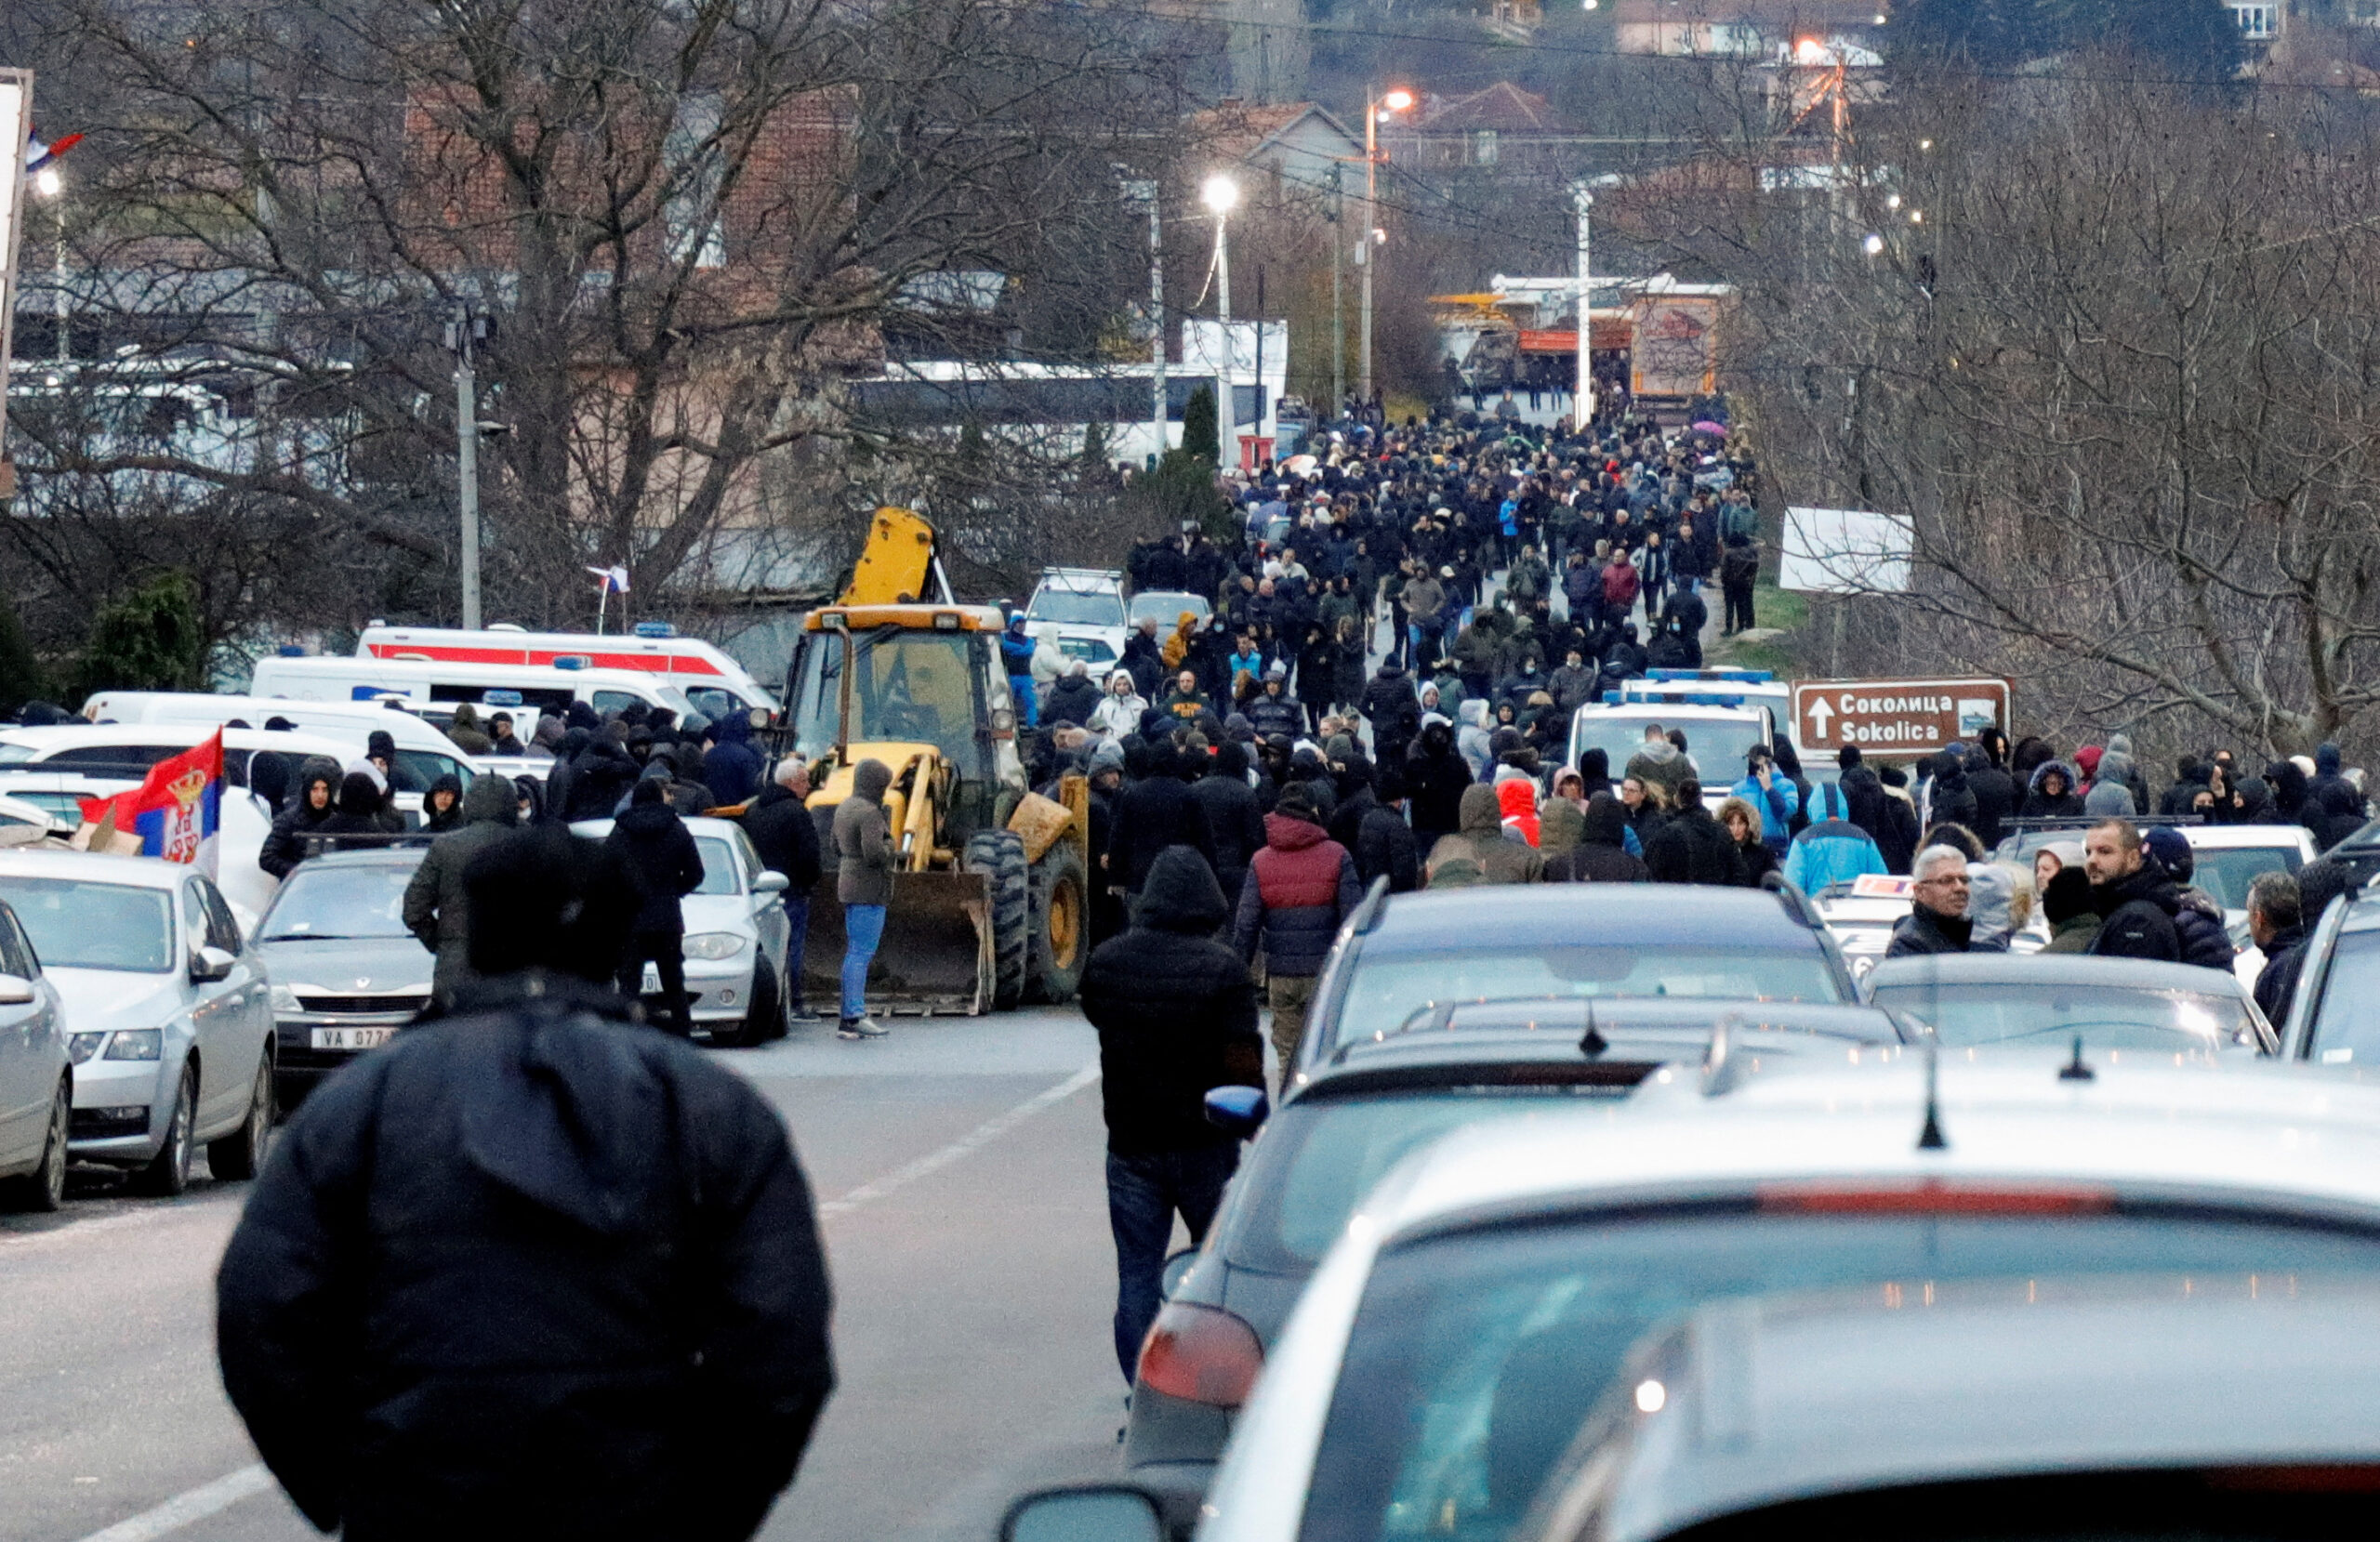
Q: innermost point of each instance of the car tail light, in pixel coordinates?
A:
(1201, 1355)
(1935, 1198)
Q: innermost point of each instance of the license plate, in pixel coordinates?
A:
(651, 982)
(351, 1038)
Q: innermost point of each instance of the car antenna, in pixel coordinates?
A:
(1594, 1043)
(2075, 1070)
(1930, 1138)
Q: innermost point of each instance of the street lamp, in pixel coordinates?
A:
(1220, 195)
(50, 185)
(1396, 99)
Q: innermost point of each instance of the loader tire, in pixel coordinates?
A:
(1060, 939)
(1001, 854)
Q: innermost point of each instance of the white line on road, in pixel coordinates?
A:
(974, 1140)
(184, 1510)
(229, 1490)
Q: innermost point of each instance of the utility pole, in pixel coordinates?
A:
(1338, 308)
(1146, 191)
(1397, 101)
(1222, 196)
(1581, 402)
(462, 333)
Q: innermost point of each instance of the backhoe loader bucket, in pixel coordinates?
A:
(936, 956)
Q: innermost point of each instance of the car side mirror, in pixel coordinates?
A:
(1106, 1512)
(16, 991)
(1177, 1269)
(1238, 1110)
(209, 965)
(771, 882)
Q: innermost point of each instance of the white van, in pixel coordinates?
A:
(714, 683)
(435, 689)
(423, 753)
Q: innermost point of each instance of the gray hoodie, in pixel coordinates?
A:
(864, 840)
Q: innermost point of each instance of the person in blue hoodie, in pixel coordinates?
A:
(1831, 850)
(732, 767)
(1016, 657)
(1772, 792)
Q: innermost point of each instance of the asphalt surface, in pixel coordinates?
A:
(958, 1164)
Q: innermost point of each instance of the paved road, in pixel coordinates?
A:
(958, 1162)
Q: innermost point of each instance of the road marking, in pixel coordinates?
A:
(184, 1510)
(224, 1493)
(974, 1140)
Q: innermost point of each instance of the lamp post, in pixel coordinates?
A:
(1581, 402)
(1375, 108)
(1145, 191)
(1222, 195)
(50, 185)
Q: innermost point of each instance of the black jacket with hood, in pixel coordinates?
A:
(1435, 774)
(530, 1271)
(1601, 855)
(786, 834)
(285, 847)
(662, 863)
(1175, 1010)
(1694, 847)
(2137, 916)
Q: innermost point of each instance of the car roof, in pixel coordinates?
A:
(1452, 920)
(58, 736)
(1776, 1399)
(2261, 1133)
(205, 707)
(2049, 969)
(1662, 711)
(384, 856)
(697, 825)
(91, 867)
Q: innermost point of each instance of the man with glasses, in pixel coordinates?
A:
(1937, 921)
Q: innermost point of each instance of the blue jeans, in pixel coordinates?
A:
(1143, 1194)
(862, 929)
(797, 915)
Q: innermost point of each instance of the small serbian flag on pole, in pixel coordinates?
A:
(614, 580)
(40, 156)
(176, 814)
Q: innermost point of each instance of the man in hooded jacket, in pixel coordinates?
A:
(437, 903)
(662, 866)
(1176, 1015)
(1479, 851)
(1436, 775)
(785, 835)
(529, 1270)
(732, 767)
(1299, 888)
(1692, 847)
(315, 801)
(1601, 855)
(2136, 900)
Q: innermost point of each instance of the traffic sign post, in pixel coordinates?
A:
(1897, 716)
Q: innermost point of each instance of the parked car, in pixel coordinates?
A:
(2012, 1408)
(168, 1008)
(1410, 954)
(737, 938)
(1353, 1119)
(2335, 1017)
(1081, 610)
(36, 1080)
(1485, 1296)
(346, 973)
(2046, 1001)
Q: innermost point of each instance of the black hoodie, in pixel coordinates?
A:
(1436, 774)
(662, 865)
(1175, 1010)
(1601, 855)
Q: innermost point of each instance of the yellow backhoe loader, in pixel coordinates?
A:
(992, 885)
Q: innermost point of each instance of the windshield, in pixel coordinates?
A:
(2346, 1018)
(416, 769)
(2108, 1017)
(2224, 872)
(911, 685)
(75, 924)
(319, 903)
(720, 874)
(1321, 1155)
(1069, 609)
(1474, 1357)
(1383, 990)
(1165, 607)
(1717, 745)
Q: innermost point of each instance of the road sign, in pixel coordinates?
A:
(1896, 717)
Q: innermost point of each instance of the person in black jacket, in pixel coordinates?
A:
(1384, 845)
(1155, 811)
(1436, 775)
(783, 830)
(2200, 931)
(1994, 789)
(1601, 855)
(1176, 1015)
(601, 773)
(662, 865)
(1233, 821)
(2133, 897)
(529, 1270)
(1938, 921)
(316, 801)
(361, 805)
(1691, 847)
(2278, 923)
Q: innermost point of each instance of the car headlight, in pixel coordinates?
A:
(714, 945)
(284, 999)
(81, 1047)
(138, 1043)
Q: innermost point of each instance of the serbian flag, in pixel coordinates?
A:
(38, 154)
(176, 814)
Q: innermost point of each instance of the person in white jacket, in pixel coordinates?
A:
(1119, 712)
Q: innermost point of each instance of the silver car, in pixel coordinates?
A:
(346, 973)
(36, 1083)
(166, 1005)
(737, 937)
